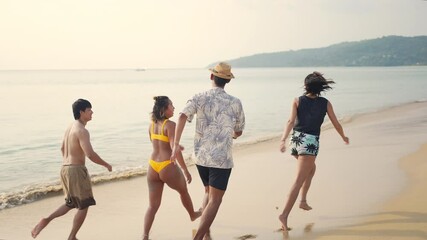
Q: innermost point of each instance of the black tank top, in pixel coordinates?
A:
(310, 114)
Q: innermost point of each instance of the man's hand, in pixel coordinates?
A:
(346, 140)
(109, 167)
(237, 134)
(177, 149)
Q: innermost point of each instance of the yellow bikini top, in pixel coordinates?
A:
(160, 136)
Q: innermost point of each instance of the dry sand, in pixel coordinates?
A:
(403, 217)
(374, 188)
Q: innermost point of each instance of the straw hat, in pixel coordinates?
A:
(222, 70)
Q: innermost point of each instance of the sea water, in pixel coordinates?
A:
(36, 109)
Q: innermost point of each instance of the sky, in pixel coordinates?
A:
(126, 34)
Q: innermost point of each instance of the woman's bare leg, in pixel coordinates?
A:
(305, 165)
(174, 178)
(155, 188)
(304, 190)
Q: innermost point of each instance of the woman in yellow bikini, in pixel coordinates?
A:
(161, 169)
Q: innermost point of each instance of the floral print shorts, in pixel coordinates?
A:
(304, 144)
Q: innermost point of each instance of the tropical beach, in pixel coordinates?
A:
(371, 189)
(120, 55)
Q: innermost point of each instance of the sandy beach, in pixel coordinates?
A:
(374, 188)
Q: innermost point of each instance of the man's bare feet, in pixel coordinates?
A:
(284, 220)
(39, 227)
(303, 205)
(207, 236)
(196, 214)
(145, 237)
(285, 235)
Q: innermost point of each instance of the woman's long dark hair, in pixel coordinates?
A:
(315, 83)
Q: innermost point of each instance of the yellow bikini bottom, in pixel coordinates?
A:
(158, 166)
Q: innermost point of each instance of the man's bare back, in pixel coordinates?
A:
(72, 151)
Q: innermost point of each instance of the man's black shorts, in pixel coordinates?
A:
(214, 177)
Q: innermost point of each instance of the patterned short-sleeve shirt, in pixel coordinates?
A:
(218, 116)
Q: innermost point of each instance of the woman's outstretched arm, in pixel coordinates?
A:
(336, 123)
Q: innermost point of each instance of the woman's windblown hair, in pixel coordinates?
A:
(315, 83)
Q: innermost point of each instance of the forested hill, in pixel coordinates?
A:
(385, 51)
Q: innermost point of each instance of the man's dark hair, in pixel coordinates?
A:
(80, 105)
(220, 82)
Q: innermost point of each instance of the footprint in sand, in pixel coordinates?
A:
(247, 236)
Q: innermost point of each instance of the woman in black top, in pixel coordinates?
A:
(306, 118)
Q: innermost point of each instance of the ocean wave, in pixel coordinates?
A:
(43, 190)
(29, 194)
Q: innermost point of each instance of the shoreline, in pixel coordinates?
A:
(40, 191)
(354, 185)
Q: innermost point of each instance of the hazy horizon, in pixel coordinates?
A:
(110, 34)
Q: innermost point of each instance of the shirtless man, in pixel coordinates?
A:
(75, 179)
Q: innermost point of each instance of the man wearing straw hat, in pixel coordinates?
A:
(220, 119)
